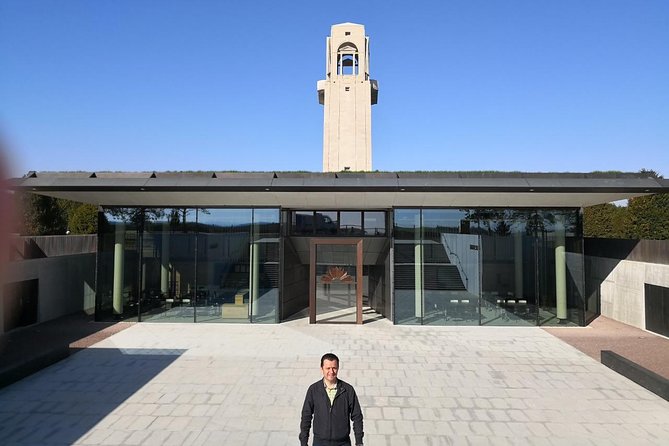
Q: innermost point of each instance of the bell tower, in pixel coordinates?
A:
(348, 94)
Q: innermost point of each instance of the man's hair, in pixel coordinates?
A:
(329, 357)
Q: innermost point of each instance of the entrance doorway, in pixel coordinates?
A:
(335, 280)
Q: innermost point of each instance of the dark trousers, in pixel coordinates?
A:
(332, 443)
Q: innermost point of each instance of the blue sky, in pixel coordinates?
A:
(231, 85)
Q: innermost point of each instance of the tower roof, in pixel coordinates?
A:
(340, 28)
(348, 24)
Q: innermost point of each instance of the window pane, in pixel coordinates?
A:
(168, 263)
(265, 253)
(406, 224)
(375, 223)
(350, 223)
(303, 223)
(408, 267)
(326, 223)
(267, 222)
(508, 266)
(223, 265)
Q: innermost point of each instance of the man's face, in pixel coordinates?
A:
(329, 370)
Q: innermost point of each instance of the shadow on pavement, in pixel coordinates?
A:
(63, 405)
(27, 350)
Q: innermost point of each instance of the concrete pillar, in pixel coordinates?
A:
(119, 249)
(418, 268)
(518, 263)
(254, 279)
(560, 269)
(165, 259)
(142, 271)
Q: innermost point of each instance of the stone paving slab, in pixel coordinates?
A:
(206, 384)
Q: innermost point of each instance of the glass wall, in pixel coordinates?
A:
(223, 273)
(488, 266)
(450, 268)
(265, 262)
(168, 265)
(189, 264)
(338, 223)
(509, 266)
(336, 287)
(408, 267)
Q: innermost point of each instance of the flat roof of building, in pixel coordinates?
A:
(344, 190)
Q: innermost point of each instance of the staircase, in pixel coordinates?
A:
(438, 272)
(442, 277)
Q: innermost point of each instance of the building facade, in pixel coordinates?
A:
(416, 248)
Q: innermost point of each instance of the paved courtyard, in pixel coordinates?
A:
(241, 384)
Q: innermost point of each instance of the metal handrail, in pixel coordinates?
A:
(449, 253)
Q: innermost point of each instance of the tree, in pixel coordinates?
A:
(502, 228)
(42, 215)
(649, 217)
(644, 217)
(606, 221)
(650, 173)
(83, 219)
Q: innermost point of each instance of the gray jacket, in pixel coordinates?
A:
(332, 422)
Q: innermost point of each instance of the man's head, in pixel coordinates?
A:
(329, 368)
(329, 357)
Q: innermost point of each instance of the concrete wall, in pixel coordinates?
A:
(621, 286)
(66, 282)
(616, 272)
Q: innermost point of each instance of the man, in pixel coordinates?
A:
(333, 404)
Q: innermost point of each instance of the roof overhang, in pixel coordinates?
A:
(341, 191)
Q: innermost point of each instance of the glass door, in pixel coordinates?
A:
(335, 281)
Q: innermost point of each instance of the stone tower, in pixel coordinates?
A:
(347, 93)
